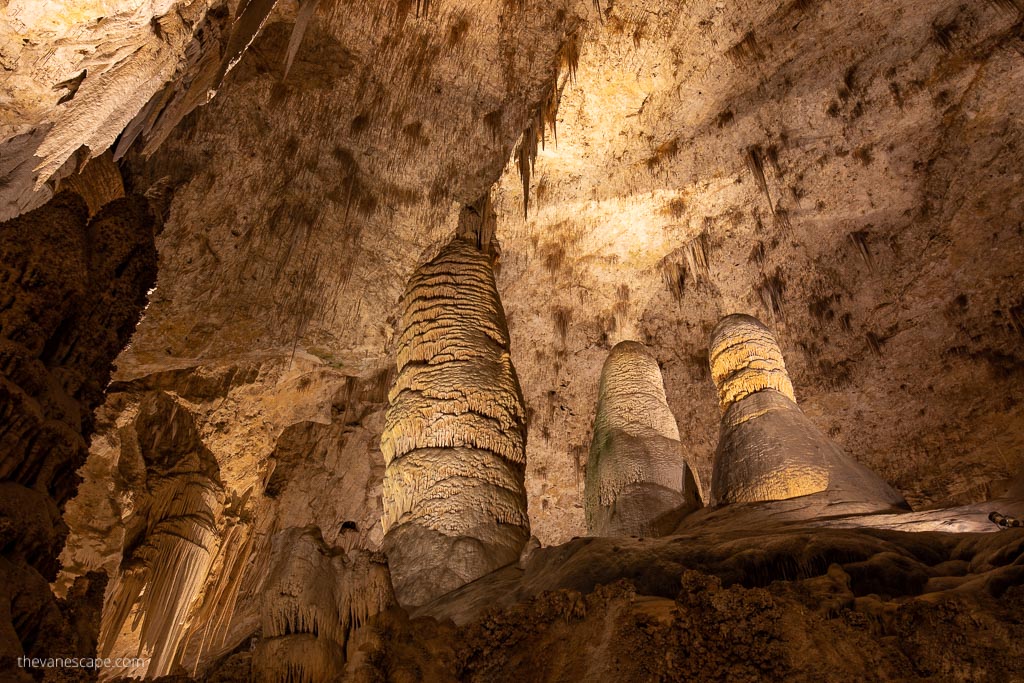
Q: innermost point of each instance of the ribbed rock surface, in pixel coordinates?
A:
(746, 359)
(768, 449)
(455, 436)
(71, 291)
(638, 482)
(170, 543)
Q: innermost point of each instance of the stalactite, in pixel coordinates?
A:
(768, 449)
(306, 10)
(167, 573)
(755, 165)
(122, 74)
(545, 116)
(696, 252)
(213, 617)
(637, 481)
(314, 598)
(454, 439)
(249, 21)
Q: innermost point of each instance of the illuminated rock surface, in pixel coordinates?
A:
(848, 173)
(638, 480)
(768, 449)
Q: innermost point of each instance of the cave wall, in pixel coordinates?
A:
(72, 290)
(882, 245)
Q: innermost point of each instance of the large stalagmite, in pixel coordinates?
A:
(455, 438)
(638, 483)
(768, 449)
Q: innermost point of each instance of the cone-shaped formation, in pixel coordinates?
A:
(768, 449)
(455, 437)
(638, 483)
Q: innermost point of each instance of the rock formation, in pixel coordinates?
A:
(638, 481)
(314, 598)
(655, 165)
(768, 449)
(171, 540)
(455, 437)
(71, 291)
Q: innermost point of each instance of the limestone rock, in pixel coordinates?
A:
(638, 480)
(314, 599)
(72, 290)
(768, 449)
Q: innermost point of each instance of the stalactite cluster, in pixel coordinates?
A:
(638, 482)
(454, 441)
(768, 449)
(545, 116)
(167, 573)
(213, 617)
(314, 598)
(171, 544)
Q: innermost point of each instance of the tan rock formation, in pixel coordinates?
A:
(79, 72)
(314, 599)
(638, 480)
(455, 437)
(768, 449)
(171, 541)
(675, 161)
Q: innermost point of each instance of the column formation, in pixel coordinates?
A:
(638, 482)
(455, 437)
(768, 449)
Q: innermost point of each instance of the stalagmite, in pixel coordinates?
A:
(315, 597)
(768, 449)
(638, 483)
(455, 437)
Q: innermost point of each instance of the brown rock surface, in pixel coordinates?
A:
(72, 289)
(848, 172)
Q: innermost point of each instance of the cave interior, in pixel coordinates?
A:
(511, 340)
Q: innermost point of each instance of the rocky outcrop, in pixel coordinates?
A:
(738, 595)
(768, 449)
(638, 481)
(71, 291)
(455, 437)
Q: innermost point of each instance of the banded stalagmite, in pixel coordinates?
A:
(768, 449)
(638, 483)
(455, 437)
